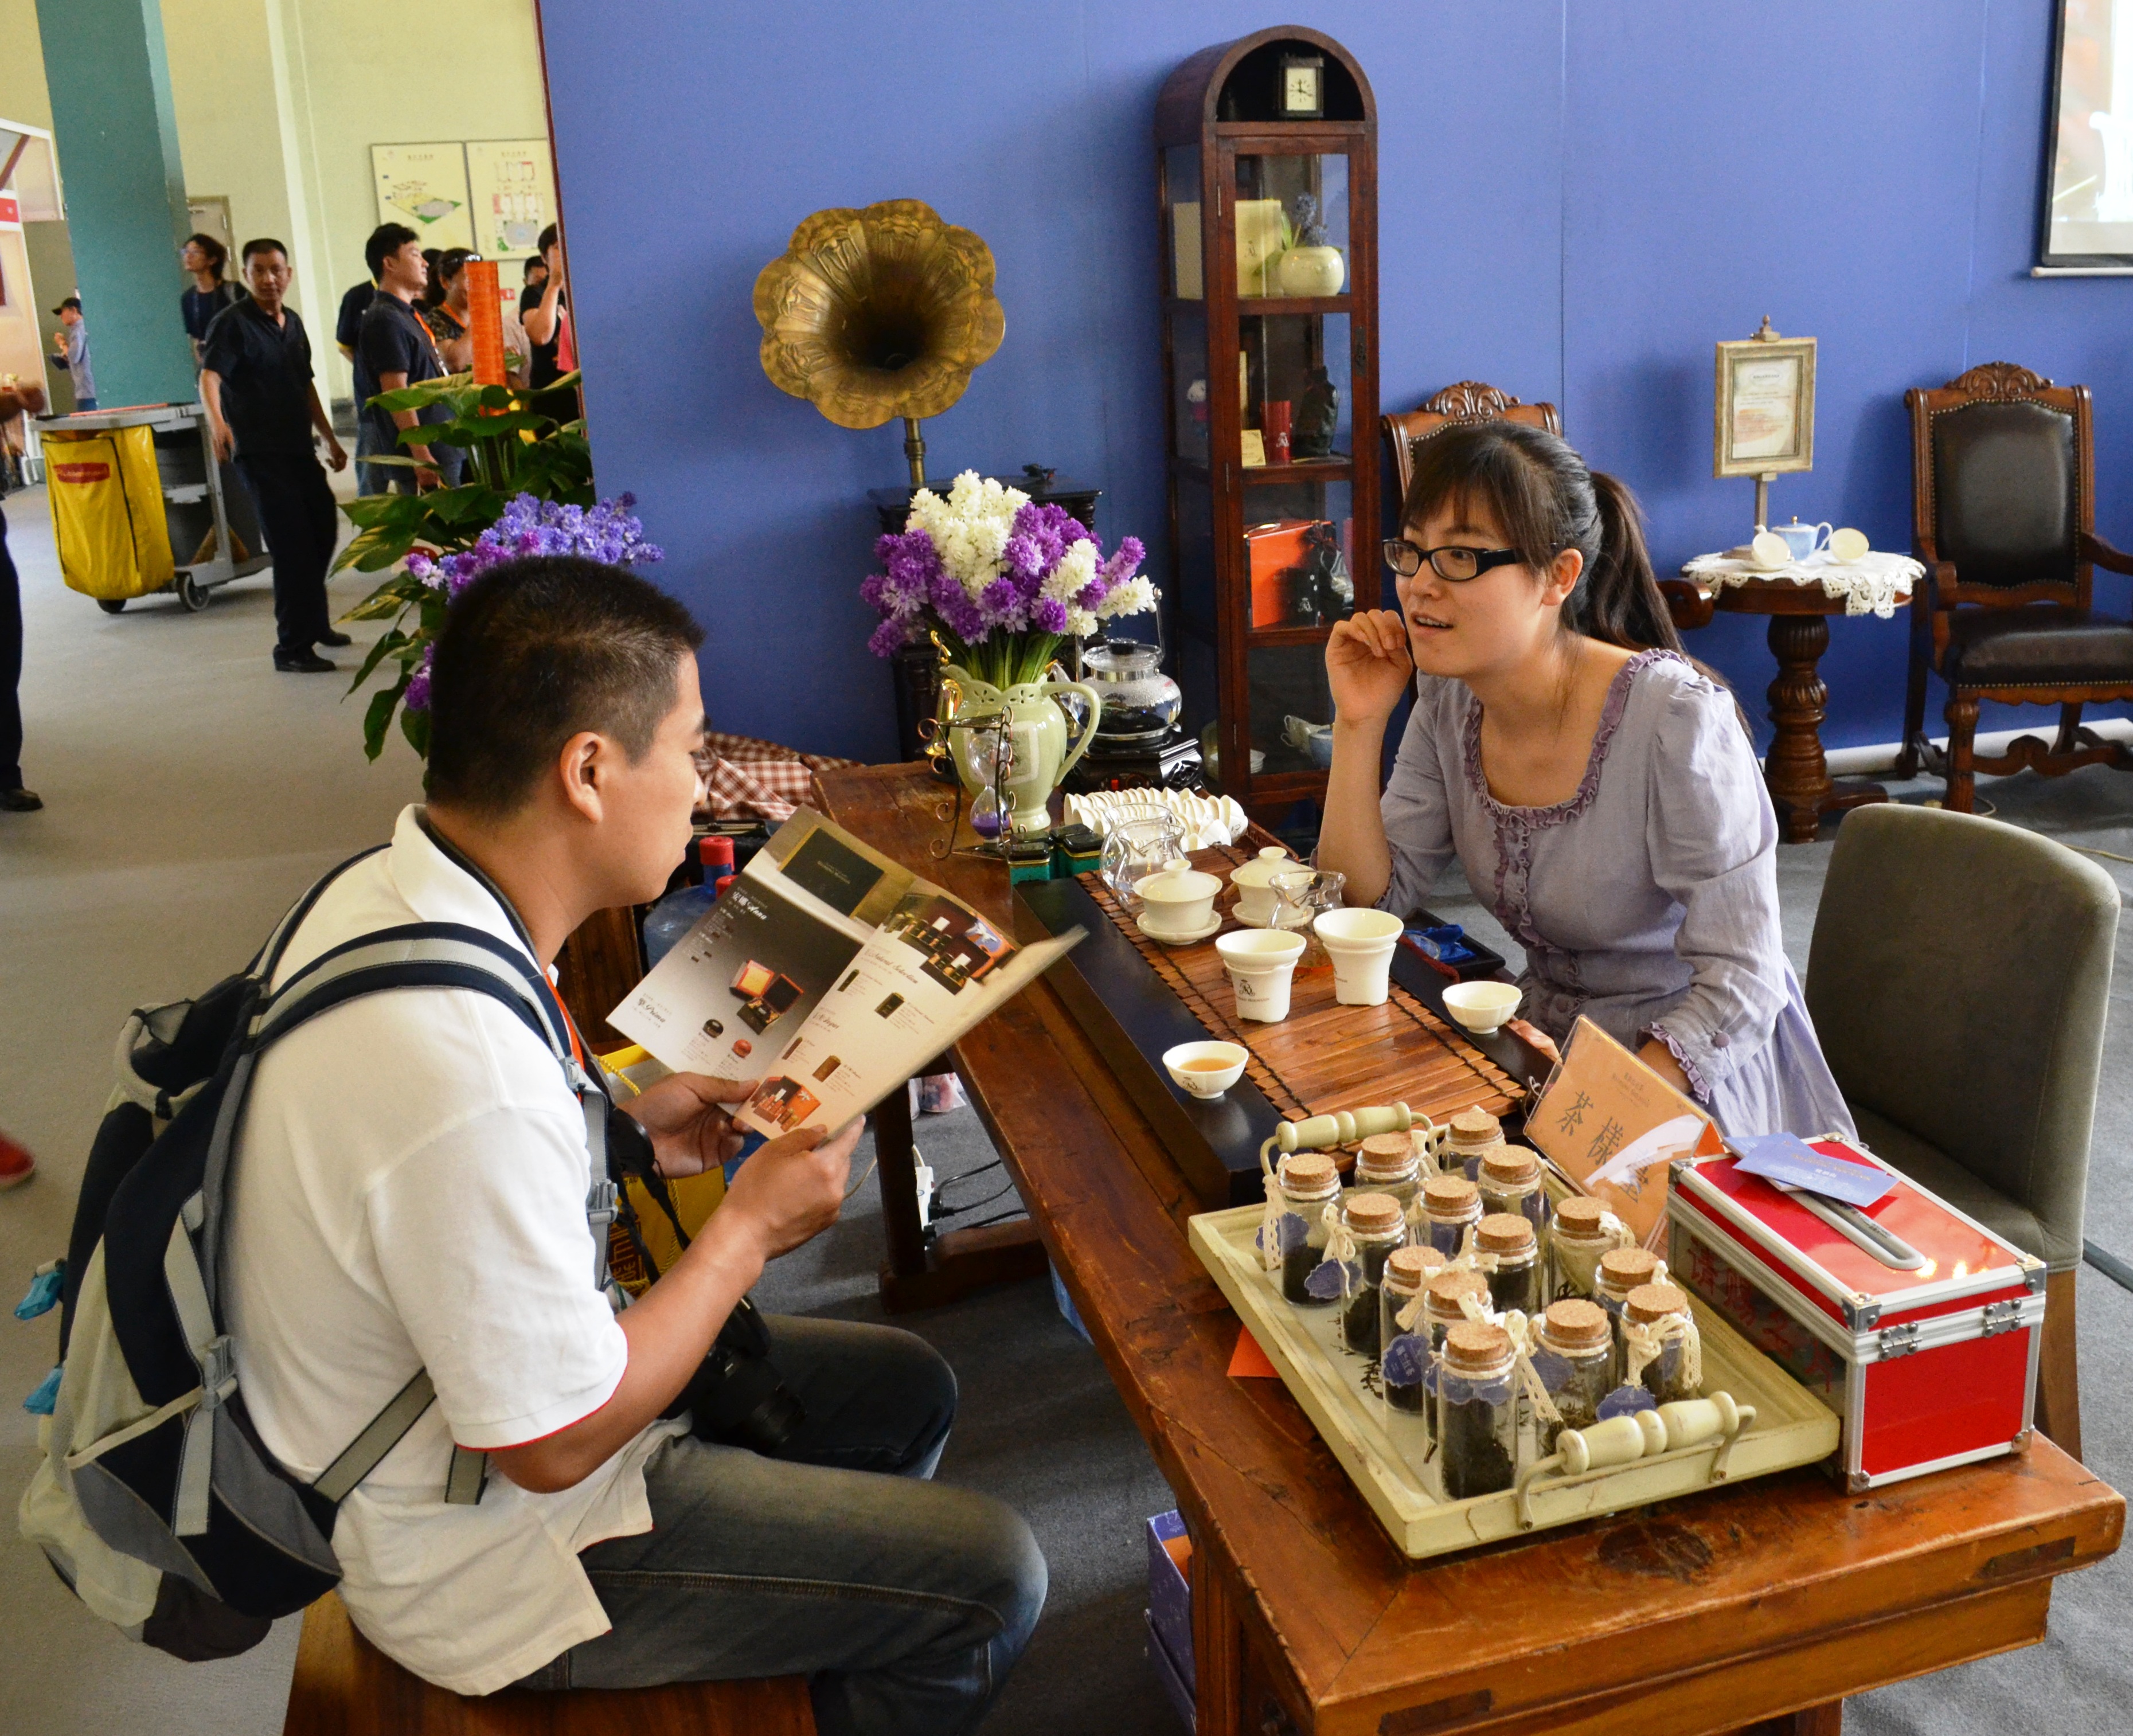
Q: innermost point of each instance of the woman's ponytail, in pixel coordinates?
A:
(1619, 599)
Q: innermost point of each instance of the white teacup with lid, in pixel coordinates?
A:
(1179, 901)
(1253, 880)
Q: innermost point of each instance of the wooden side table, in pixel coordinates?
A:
(1796, 768)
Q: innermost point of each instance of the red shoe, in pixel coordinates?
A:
(16, 1166)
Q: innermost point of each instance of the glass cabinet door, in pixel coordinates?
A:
(1292, 222)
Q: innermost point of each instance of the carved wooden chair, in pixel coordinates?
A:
(1468, 401)
(1471, 401)
(2003, 516)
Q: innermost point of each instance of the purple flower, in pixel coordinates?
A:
(417, 695)
(1049, 616)
(1122, 566)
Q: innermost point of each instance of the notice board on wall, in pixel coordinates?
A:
(492, 195)
(425, 187)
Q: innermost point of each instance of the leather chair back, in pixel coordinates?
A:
(2005, 496)
(1958, 980)
(1468, 401)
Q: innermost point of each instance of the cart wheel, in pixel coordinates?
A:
(190, 594)
(112, 605)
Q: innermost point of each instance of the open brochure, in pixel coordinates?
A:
(832, 971)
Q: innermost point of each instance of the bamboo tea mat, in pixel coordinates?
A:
(1323, 1056)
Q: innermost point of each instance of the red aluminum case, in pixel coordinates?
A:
(1926, 1368)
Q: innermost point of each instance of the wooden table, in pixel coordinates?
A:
(1796, 768)
(1754, 1608)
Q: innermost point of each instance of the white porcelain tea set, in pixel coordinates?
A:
(1203, 821)
(1785, 545)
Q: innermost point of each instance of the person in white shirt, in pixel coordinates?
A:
(411, 1194)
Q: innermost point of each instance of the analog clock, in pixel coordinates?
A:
(1302, 87)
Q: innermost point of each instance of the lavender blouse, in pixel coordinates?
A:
(1647, 901)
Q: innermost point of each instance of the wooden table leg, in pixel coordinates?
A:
(926, 1272)
(1797, 769)
(1218, 1652)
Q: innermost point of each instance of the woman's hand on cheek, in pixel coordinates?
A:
(1367, 665)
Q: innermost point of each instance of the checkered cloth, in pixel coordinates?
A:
(745, 778)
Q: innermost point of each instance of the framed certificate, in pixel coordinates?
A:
(1764, 419)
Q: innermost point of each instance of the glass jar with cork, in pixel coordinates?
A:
(1581, 1232)
(1443, 1306)
(1619, 1273)
(1508, 1252)
(1510, 1181)
(1659, 1347)
(1477, 1410)
(1469, 1134)
(1403, 1335)
(1293, 1231)
(1449, 1204)
(1573, 1356)
(1388, 1163)
(1372, 1225)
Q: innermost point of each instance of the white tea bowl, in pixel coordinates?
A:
(1482, 1007)
(1261, 963)
(1179, 901)
(1206, 1070)
(1360, 944)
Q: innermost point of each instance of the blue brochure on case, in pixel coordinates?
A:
(1789, 1161)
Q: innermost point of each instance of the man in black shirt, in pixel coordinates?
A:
(399, 351)
(348, 336)
(256, 379)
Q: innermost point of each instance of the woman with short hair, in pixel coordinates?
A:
(206, 258)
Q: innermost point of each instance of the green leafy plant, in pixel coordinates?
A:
(513, 449)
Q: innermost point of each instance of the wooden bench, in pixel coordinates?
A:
(346, 1686)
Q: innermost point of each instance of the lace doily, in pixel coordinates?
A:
(1870, 585)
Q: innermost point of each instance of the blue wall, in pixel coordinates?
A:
(1577, 198)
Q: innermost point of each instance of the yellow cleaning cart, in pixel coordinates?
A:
(140, 504)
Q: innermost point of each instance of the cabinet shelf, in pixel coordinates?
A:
(1249, 306)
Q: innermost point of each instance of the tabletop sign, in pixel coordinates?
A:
(1612, 1125)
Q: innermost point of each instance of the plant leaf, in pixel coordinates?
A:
(378, 716)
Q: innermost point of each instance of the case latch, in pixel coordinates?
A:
(1895, 1341)
(2000, 1317)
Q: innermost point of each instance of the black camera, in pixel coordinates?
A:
(736, 1397)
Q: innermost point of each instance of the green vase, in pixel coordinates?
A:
(1046, 745)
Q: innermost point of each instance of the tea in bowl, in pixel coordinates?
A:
(1206, 1070)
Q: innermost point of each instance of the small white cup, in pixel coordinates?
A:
(1360, 944)
(1847, 545)
(1261, 963)
(1482, 1007)
(1206, 1070)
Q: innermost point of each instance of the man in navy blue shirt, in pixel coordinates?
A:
(399, 351)
(263, 402)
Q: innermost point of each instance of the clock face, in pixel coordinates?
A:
(1299, 91)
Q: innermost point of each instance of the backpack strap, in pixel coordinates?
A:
(414, 956)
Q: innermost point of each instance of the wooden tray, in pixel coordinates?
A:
(1384, 1451)
(1136, 997)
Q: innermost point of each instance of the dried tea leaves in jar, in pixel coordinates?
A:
(1449, 1204)
(1510, 1181)
(1372, 1225)
(1388, 1163)
(1580, 1234)
(1471, 1132)
(1293, 1232)
(1404, 1357)
(1507, 1250)
(1620, 1272)
(1477, 1411)
(1661, 1350)
(1573, 1356)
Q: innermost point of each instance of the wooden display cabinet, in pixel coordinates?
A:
(1266, 556)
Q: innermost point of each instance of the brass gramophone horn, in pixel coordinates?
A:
(880, 313)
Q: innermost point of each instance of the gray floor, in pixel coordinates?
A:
(192, 792)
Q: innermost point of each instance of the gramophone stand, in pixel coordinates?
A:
(914, 449)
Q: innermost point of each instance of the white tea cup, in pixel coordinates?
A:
(1179, 901)
(1206, 1070)
(1847, 545)
(1360, 944)
(1482, 1007)
(1262, 963)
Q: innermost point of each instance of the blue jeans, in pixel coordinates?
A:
(369, 478)
(903, 1603)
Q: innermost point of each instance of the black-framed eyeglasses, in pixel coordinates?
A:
(1451, 562)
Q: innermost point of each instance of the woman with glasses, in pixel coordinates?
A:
(1599, 788)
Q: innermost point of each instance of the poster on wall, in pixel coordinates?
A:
(512, 187)
(2088, 177)
(425, 186)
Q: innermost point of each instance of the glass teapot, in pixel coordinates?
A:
(1141, 703)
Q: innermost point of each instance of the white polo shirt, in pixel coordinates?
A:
(410, 1193)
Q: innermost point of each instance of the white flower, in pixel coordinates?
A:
(1080, 621)
(1077, 567)
(1136, 596)
(970, 527)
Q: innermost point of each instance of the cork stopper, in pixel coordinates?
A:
(1473, 1347)
(1578, 1217)
(1386, 1157)
(1625, 1268)
(1408, 1269)
(1373, 1214)
(1577, 1326)
(1504, 1233)
(1311, 1175)
(1475, 1127)
(1450, 1196)
(1512, 1165)
(1650, 1302)
(1440, 1295)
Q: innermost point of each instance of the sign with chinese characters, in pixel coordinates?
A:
(1612, 1126)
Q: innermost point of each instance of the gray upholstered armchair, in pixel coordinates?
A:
(1959, 977)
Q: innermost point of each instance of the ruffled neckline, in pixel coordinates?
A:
(1575, 804)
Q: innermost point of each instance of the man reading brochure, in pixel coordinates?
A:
(412, 1194)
